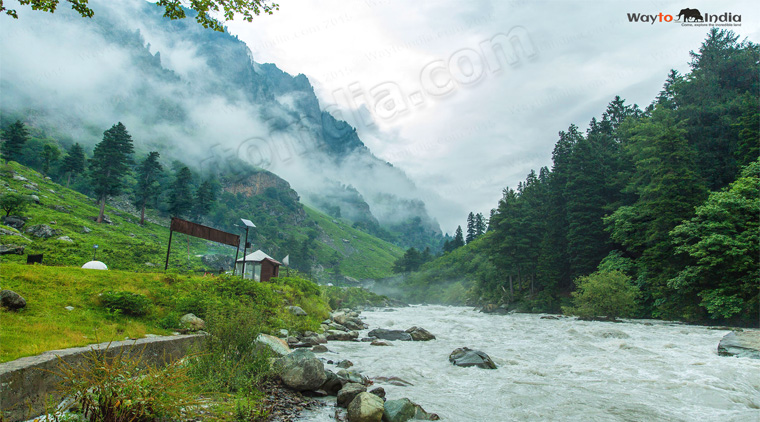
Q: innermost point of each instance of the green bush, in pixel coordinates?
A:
(231, 360)
(607, 294)
(127, 303)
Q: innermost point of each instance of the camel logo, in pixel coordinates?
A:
(689, 17)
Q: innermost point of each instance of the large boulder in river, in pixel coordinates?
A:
(465, 357)
(365, 407)
(349, 391)
(742, 344)
(11, 300)
(301, 370)
(420, 334)
(403, 410)
(386, 334)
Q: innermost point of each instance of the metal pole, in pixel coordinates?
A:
(168, 248)
(234, 264)
(245, 246)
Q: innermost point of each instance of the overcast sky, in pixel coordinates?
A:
(462, 128)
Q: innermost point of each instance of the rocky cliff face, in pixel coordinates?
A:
(257, 184)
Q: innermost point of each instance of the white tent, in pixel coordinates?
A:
(95, 265)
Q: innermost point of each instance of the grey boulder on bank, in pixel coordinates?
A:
(301, 370)
(366, 407)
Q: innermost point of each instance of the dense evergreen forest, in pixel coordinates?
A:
(667, 195)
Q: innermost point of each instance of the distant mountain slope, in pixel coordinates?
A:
(199, 96)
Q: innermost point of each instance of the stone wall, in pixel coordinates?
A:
(27, 384)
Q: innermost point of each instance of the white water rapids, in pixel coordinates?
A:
(556, 370)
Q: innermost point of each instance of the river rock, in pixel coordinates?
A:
(378, 391)
(277, 345)
(42, 230)
(493, 308)
(466, 357)
(393, 381)
(365, 407)
(15, 222)
(332, 383)
(191, 322)
(353, 376)
(740, 344)
(344, 364)
(402, 410)
(420, 334)
(386, 334)
(380, 343)
(320, 348)
(342, 335)
(11, 300)
(301, 370)
(349, 391)
(12, 249)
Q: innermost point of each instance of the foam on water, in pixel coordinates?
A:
(557, 369)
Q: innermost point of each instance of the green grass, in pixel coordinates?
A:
(45, 324)
(366, 255)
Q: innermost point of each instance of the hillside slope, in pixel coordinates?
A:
(125, 245)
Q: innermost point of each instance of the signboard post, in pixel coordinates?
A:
(198, 230)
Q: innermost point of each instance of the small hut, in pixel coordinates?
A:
(258, 266)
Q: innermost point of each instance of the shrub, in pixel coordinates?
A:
(231, 360)
(120, 387)
(127, 303)
(604, 294)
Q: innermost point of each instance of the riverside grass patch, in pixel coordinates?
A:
(46, 323)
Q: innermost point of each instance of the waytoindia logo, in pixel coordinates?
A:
(688, 17)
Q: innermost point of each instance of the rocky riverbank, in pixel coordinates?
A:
(356, 397)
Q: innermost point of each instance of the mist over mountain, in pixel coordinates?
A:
(200, 97)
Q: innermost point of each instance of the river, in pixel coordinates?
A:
(557, 370)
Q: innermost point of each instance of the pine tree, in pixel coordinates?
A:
(205, 196)
(458, 239)
(480, 224)
(50, 154)
(470, 227)
(180, 198)
(147, 188)
(110, 164)
(73, 162)
(668, 189)
(15, 137)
